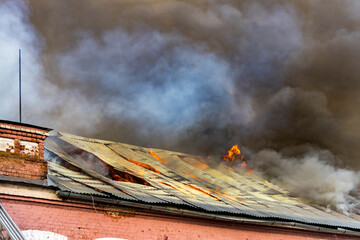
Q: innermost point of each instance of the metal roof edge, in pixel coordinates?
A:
(10, 179)
(25, 125)
(210, 216)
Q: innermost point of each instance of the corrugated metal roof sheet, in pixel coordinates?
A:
(87, 166)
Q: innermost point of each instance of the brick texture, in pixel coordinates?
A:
(22, 151)
(23, 167)
(91, 222)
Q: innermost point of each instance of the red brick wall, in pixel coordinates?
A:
(20, 132)
(24, 157)
(85, 222)
(22, 167)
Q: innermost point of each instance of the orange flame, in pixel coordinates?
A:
(233, 153)
(144, 165)
(243, 164)
(157, 157)
(230, 168)
(118, 178)
(193, 176)
(180, 190)
(203, 191)
(127, 177)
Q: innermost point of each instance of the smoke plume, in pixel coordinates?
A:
(196, 76)
(310, 176)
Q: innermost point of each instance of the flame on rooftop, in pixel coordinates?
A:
(233, 154)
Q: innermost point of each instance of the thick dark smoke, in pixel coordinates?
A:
(281, 78)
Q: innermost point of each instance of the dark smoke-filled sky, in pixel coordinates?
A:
(280, 78)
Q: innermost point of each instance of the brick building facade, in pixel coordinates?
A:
(22, 151)
(35, 203)
(81, 221)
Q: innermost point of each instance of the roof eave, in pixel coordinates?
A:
(209, 216)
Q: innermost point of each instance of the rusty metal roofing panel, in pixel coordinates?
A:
(53, 147)
(87, 181)
(72, 186)
(110, 157)
(243, 208)
(140, 192)
(158, 193)
(113, 159)
(137, 154)
(182, 179)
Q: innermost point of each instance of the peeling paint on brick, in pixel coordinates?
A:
(7, 145)
(22, 151)
(29, 148)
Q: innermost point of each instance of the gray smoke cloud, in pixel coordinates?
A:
(196, 76)
(310, 176)
(16, 32)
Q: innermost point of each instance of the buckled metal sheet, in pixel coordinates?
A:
(182, 179)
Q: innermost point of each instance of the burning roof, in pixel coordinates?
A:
(158, 177)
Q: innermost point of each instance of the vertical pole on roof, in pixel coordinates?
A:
(20, 85)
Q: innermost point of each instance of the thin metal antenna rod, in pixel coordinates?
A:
(20, 85)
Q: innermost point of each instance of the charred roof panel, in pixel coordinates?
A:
(154, 176)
